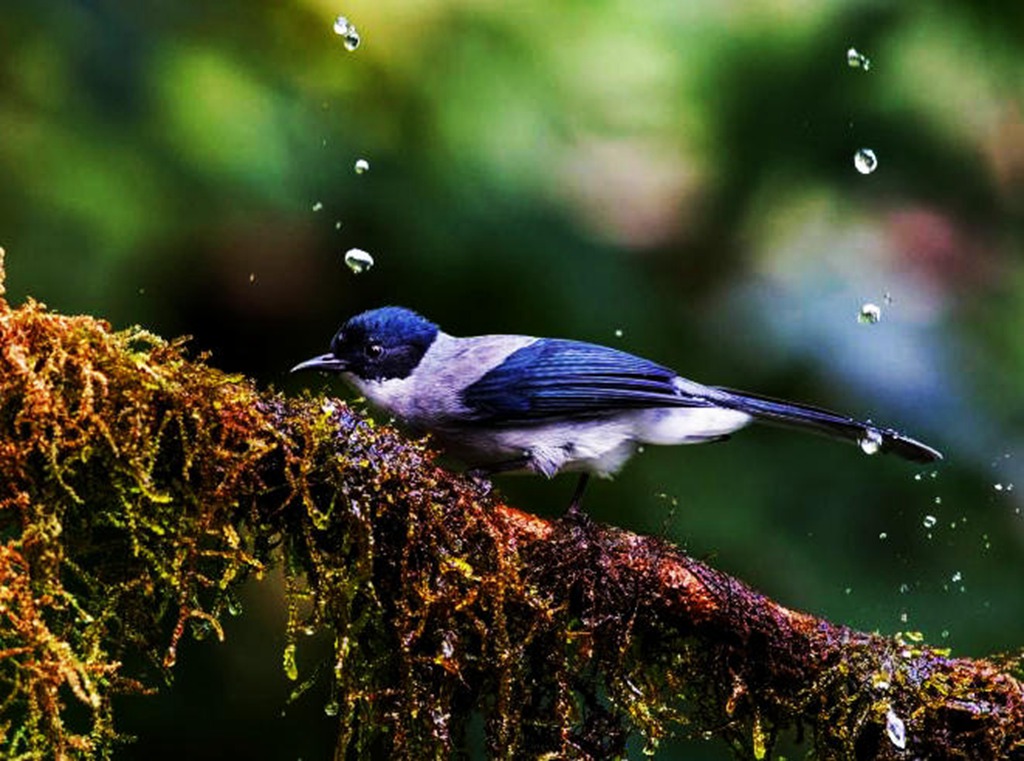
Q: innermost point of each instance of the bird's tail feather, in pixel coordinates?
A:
(871, 438)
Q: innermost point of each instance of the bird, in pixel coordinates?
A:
(514, 403)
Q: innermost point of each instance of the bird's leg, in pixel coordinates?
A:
(483, 471)
(481, 474)
(577, 496)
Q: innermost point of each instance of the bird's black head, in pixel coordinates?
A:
(377, 345)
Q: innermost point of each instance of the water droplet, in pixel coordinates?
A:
(331, 708)
(957, 576)
(904, 588)
(895, 729)
(938, 500)
(252, 277)
(929, 521)
(347, 30)
(358, 260)
(362, 166)
(869, 314)
(337, 225)
(291, 669)
(848, 590)
(998, 487)
(883, 536)
(619, 333)
(865, 161)
(944, 634)
(317, 206)
(871, 442)
(857, 60)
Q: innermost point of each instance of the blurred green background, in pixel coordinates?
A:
(675, 179)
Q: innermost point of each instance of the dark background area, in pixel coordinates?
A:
(675, 179)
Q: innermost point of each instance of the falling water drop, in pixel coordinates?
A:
(869, 314)
(857, 60)
(358, 261)
(865, 161)
(347, 30)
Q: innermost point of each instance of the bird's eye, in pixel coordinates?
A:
(373, 351)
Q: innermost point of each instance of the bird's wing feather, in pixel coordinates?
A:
(557, 378)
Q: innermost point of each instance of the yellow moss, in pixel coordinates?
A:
(109, 440)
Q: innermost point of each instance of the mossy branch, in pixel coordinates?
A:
(142, 487)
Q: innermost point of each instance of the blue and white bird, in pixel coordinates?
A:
(504, 403)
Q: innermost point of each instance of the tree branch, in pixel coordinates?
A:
(142, 487)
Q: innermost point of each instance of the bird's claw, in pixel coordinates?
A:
(481, 480)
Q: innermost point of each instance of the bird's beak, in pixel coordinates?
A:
(325, 362)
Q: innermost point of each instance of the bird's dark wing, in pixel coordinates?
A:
(557, 378)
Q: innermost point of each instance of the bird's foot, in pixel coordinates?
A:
(481, 479)
(575, 509)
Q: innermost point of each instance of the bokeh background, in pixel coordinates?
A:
(672, 178)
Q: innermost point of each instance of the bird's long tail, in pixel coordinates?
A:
(870, 437)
